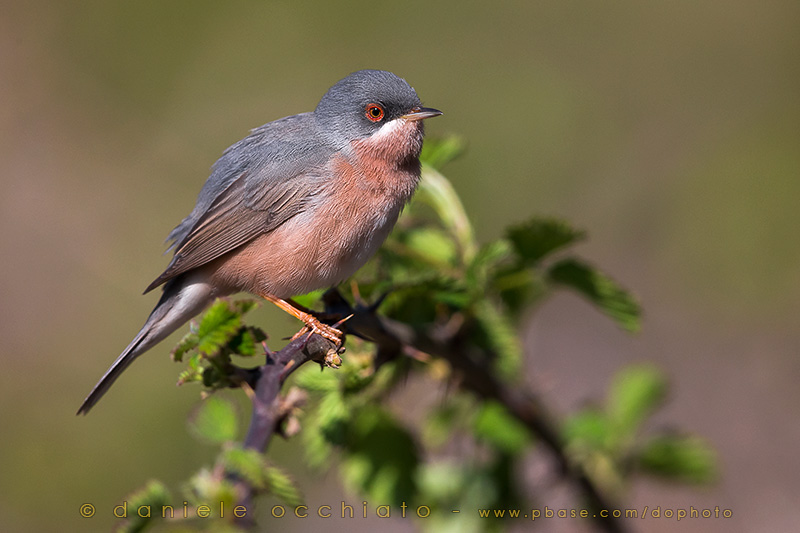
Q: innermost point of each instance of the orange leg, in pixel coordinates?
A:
(312, 323)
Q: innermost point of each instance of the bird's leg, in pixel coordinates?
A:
(312, 323)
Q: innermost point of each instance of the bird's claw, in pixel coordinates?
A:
(314, 326)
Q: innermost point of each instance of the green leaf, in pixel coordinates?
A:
(486, 260)
(635, 393)
(437, 192)
(604, 292)
(193, 372)
(188, 343)
(333, 416)
(206, 487)
(501, 337)
(154, 496)
(432, 245)
(415, 303)
(588, 430)
(493, 424)
(316, 379)
(310, 299)
(381, 459)
(317, 448)
(439, 424)
(253, 467)
(682, 458)
(219, 325)
(534, 239)
(356, 375)
(247, 342)
(519, 287)
(467, 485)
(282, 486)
(247, 463)
(215, 420)
(438, 152)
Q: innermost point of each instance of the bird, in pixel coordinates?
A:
(299, 204)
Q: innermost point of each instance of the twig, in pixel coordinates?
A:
(266, 399)
(392, 339)
(478, 377)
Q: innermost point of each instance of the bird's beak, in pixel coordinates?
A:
(419, 113)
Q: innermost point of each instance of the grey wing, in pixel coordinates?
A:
(257, 196)
(229, 224)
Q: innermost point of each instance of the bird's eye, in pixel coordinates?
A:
(374, 112)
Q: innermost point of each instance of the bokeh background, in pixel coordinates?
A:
(669, 130)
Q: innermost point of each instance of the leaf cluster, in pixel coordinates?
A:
(210, 344)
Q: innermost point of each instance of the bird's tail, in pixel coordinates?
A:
(180, 301)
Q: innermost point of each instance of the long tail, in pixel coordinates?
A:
(179, 302)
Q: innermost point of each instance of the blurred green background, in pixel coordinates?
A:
(670, 130)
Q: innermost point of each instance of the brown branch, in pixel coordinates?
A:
(478, 377)
(393, 339)
(266, 417)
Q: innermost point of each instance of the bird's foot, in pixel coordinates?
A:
(314, 326)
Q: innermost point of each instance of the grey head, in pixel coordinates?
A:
(360, 104)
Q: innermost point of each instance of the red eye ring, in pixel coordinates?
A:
(374, 112)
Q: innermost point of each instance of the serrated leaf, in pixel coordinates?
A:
(501, 338)
(247, 342)
(488, 257)
(219, 325)
(193, 372)
(188, 343)
(205, 487)
(381, 459)
(215, 420)
(604, 292)
(493, 424)
(252, 466)
(538, 237)
(678, 457)
(246, 463)
(282, 487)
(154, 495)
(635, 393)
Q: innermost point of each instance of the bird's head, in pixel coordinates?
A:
(374, 107)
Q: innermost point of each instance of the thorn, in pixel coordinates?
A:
(267, 351)
(342, 321)
(377, 303)
(248, 390)
(286, 369)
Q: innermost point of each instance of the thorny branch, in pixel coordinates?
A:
(393, 339)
